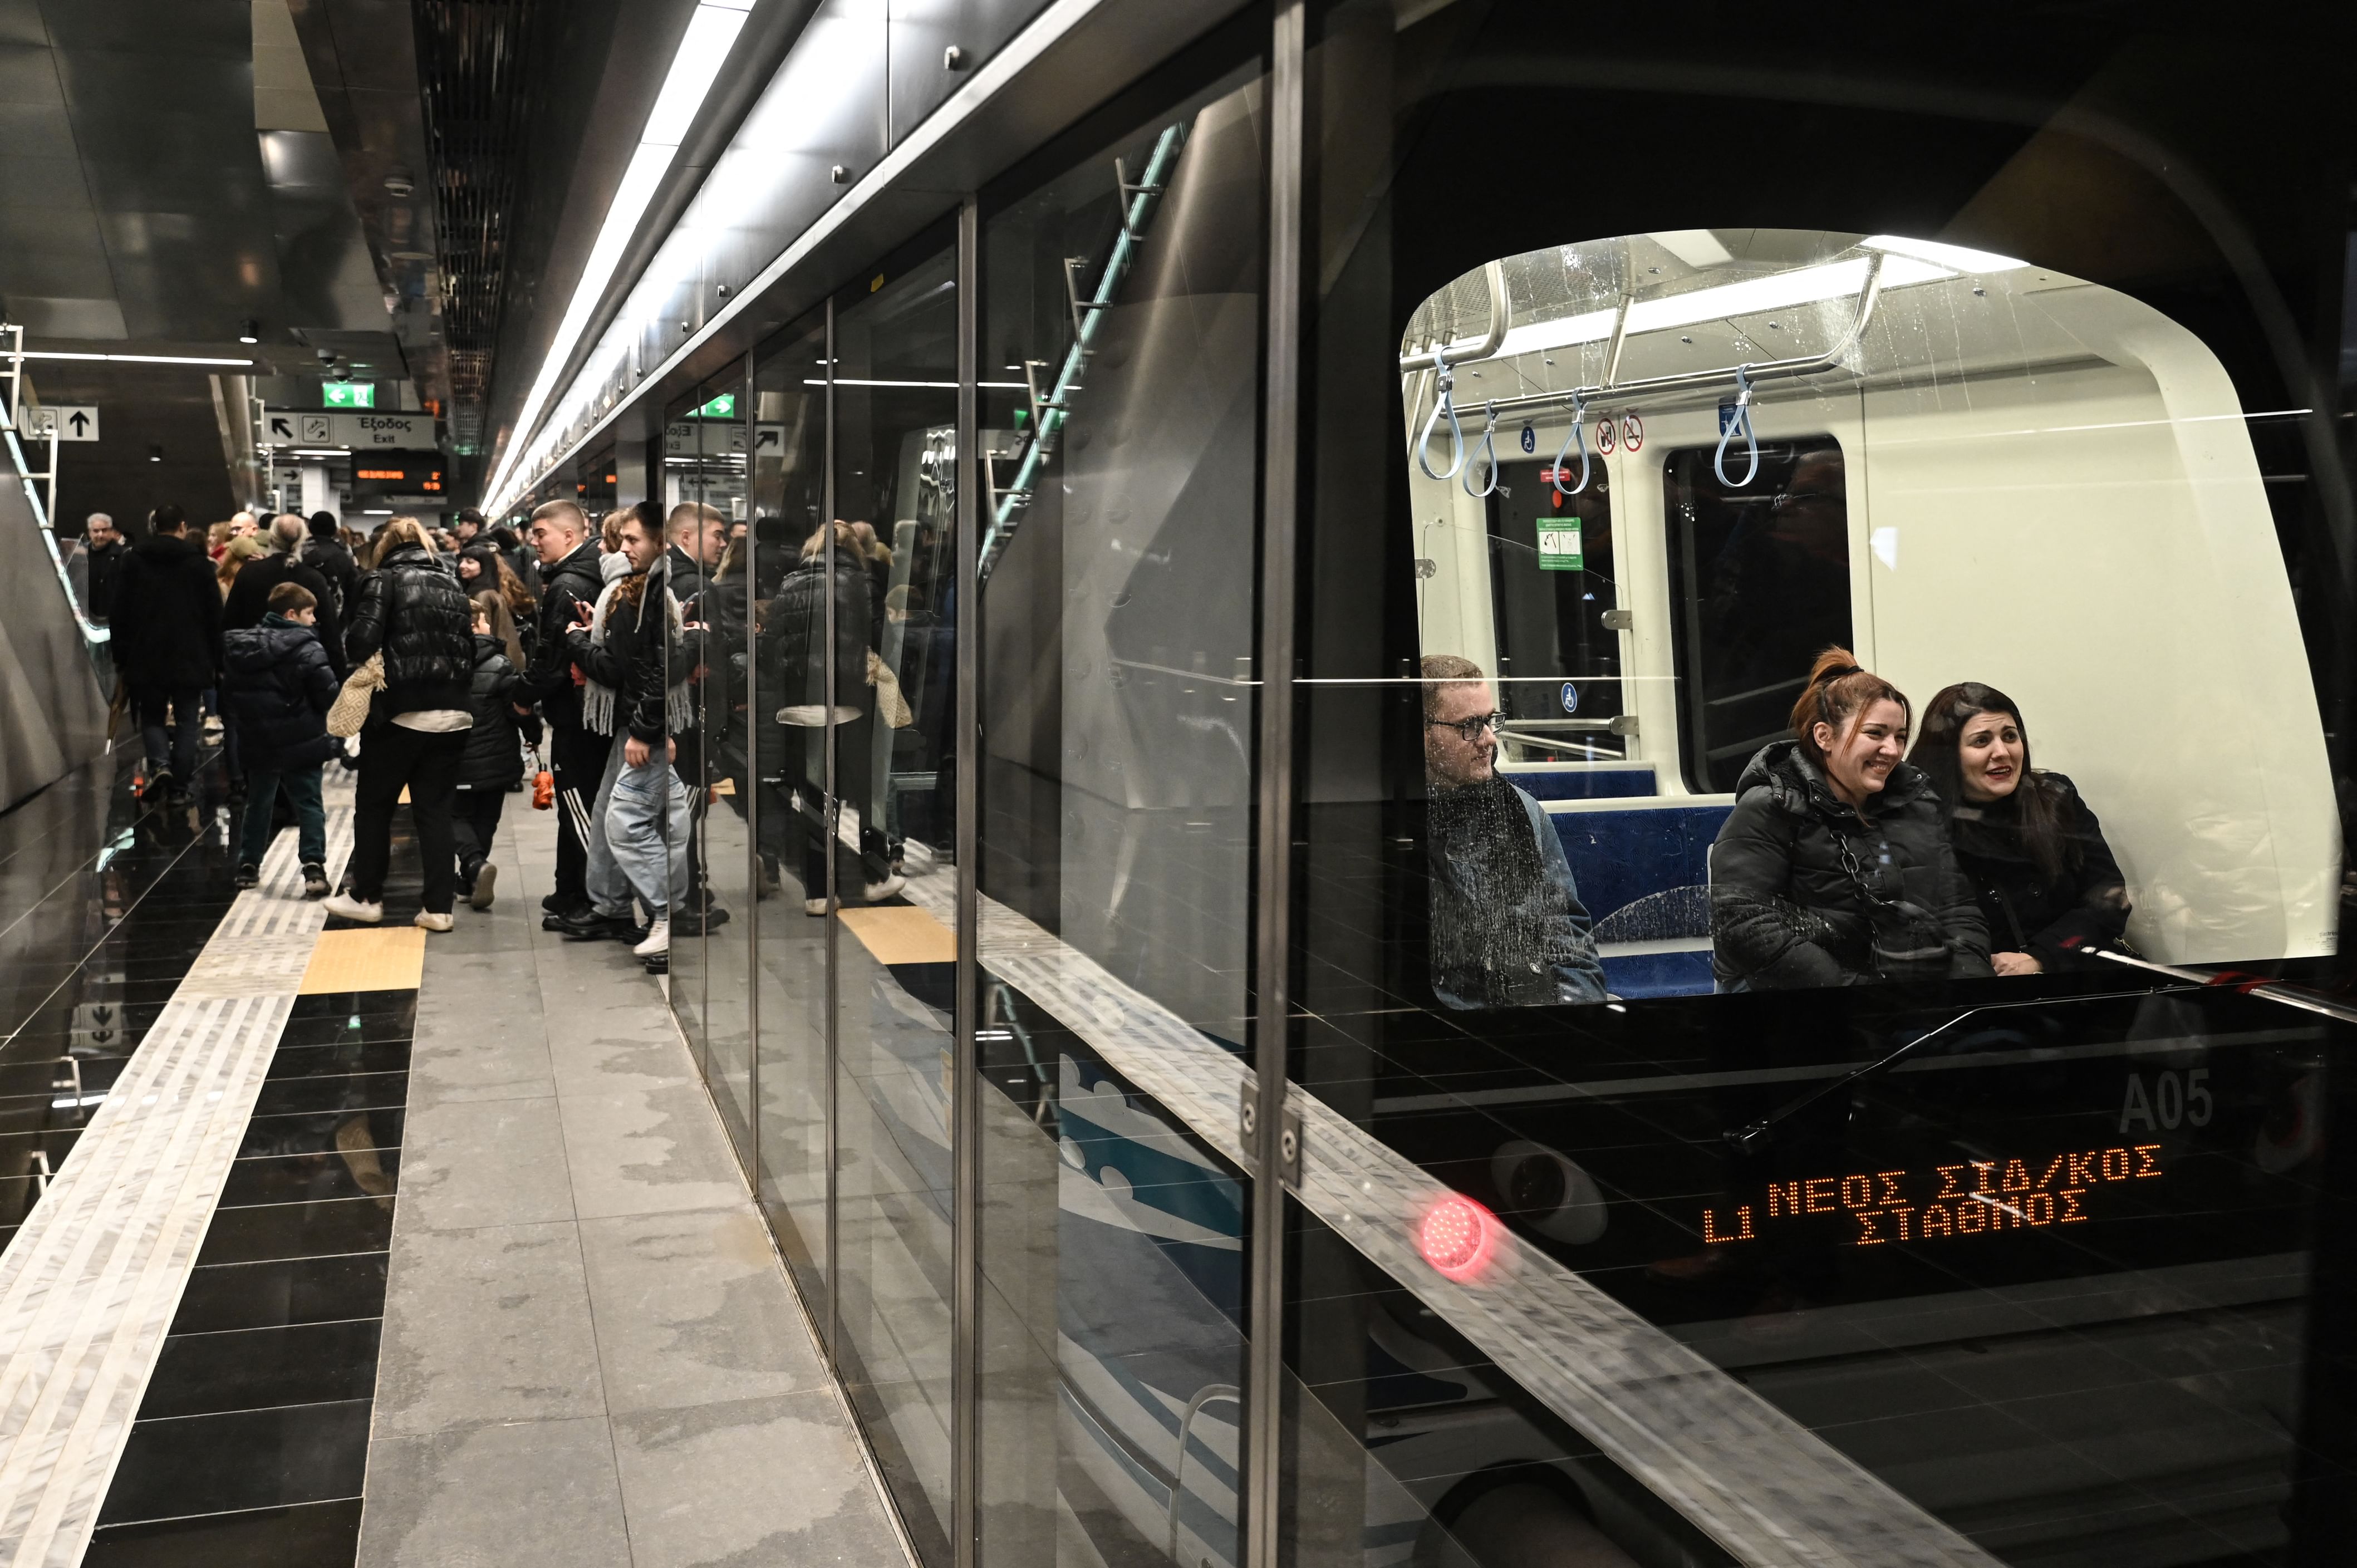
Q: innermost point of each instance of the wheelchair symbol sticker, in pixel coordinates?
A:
(1530, 439)
(1570, 698)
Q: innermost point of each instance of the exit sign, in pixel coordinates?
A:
(348, 394)
(721, 407)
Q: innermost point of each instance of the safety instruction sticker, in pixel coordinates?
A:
(1559, 544)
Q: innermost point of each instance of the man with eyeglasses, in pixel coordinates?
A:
(1508, 927)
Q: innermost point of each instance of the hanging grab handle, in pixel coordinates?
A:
(1743, 419)
(1489, 454)
(1447, 405)
(1578, 434)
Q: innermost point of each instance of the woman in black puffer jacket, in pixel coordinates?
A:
(797, 708)
(1834, 867)
(410, 609)
(493, 761)
(2049, 887)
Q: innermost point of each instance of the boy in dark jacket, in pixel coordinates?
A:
(278, 688)
(493, 760)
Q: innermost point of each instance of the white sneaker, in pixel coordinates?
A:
(814, 907)
(434, 923)
(658, 940)
(344, 906)
(879, 891)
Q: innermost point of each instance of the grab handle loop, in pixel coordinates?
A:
(1488, 454)
(1447, 405)
(1579, 434)
(1742, 420)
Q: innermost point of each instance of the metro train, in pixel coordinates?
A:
(1750, 444)
(1991, 472)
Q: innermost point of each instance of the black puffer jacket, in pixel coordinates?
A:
(277, 690)
(494, 756)
(548, 679)
(2055, 920)
(168, 616)
(411, 610)
(328, 558)
(1785, 911)
(249, 598)
(791, 649)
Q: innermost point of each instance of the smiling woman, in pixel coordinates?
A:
(1834, 867)
(2050, 890)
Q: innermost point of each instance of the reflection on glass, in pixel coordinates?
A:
(2014, 1267)
(885, 567)
(789, 487)
(705, 481)
(1116, 708)
(1508, 928)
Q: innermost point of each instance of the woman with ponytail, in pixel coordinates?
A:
(1834, 867)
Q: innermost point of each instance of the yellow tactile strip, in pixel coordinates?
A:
(366, 960)
(902, 934)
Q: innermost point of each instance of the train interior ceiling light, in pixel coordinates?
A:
(711, 33)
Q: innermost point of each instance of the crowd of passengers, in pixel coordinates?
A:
(1849, 857)
(622, 644)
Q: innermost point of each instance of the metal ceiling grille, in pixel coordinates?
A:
(471, 60)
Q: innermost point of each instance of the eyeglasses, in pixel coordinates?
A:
(1469, 730)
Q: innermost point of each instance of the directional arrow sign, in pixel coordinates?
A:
(74, 421)
(279, 427)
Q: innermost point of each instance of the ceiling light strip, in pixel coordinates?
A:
(711, 33)
(994, 76)
(128, 358)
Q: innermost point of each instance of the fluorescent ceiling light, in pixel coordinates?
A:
(711, 32)
(319, 452)
(130, 359)
(1955, 256)
(852, 381)
(1751, 297)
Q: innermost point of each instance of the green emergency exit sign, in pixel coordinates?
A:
(348, 394)
(721, 407)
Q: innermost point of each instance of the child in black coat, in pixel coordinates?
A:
(277, 687)
(493, 759)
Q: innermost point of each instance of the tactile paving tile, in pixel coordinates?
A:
(388, 958)
(88, 1286)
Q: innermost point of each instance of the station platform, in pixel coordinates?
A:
(362, 1245)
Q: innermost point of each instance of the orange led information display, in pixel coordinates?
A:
(1973, 1198)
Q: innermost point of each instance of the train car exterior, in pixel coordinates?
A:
(1280, 543)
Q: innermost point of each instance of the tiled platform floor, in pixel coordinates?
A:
(591, 1356)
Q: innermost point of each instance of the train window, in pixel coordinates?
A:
(1551, 590)
(1686, 1183)
(1848, 427)
(1760, 578)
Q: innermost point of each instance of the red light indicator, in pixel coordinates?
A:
(1455, 1236)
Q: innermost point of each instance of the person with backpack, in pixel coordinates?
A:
(409, 609)
(277, 687)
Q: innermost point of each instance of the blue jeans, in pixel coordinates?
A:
(177, 742)
(601, 875)
(302, 786)
(647, 823)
